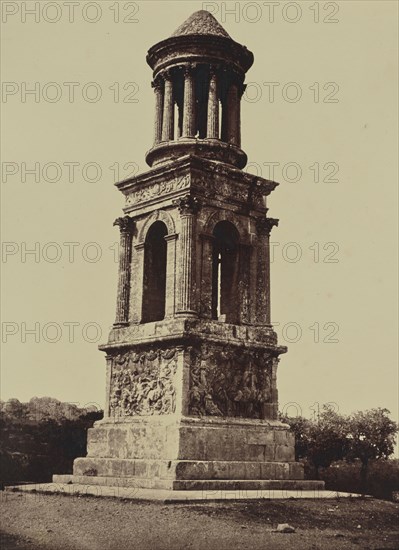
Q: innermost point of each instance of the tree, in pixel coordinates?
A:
(300, 427)
(15, 411)
(327, 439)
(371, 436)
(320, 441)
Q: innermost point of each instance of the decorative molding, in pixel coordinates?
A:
(226, 215)
(157, 190)
(172, 237)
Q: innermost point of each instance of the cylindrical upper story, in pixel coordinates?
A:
(198, 78)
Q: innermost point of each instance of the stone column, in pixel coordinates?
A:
(188, 207)
(157, 85)
(168, 109)
(263, 228)
(189, 103)
(225, 109)
(126, 225)
(244, 284)
(233, 115)
(213, 107)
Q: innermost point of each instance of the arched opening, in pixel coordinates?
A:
(225, 273)
(154, 290)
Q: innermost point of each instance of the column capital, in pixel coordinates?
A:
(213, 70)
(265, 225)
(126, 224)
(188, 68)
(166, 74)
(187, 205)
(157, 84)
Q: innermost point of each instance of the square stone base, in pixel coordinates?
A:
(190, 454)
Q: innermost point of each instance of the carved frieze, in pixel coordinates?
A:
(220, 186)
(156, 190)
(142, 383)
(230, 382)
(214, 186)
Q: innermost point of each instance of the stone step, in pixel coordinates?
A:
(187, 469)
(191, 485)
(247, 484)
(170, 496)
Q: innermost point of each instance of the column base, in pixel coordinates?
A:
(187, 313)
(169, 151)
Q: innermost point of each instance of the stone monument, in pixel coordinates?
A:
(191, 394)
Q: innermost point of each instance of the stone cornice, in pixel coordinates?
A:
(193, 47)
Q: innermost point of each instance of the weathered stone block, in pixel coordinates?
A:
(282, 471)
(296, 471)
(285, 453)
(268, 470)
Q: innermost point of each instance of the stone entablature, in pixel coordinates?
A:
(190, 48)
(207, 178)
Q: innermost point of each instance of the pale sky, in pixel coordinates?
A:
(333, 117)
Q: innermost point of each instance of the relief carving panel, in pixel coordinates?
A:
(226, 381)
(143, 383)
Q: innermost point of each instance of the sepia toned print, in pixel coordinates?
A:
(236, 373)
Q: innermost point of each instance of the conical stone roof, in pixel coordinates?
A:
(201, 22)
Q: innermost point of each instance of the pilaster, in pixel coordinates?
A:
(263, 228)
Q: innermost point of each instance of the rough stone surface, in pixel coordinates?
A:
(201, 22)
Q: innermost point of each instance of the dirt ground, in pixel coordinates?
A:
(55, 522)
